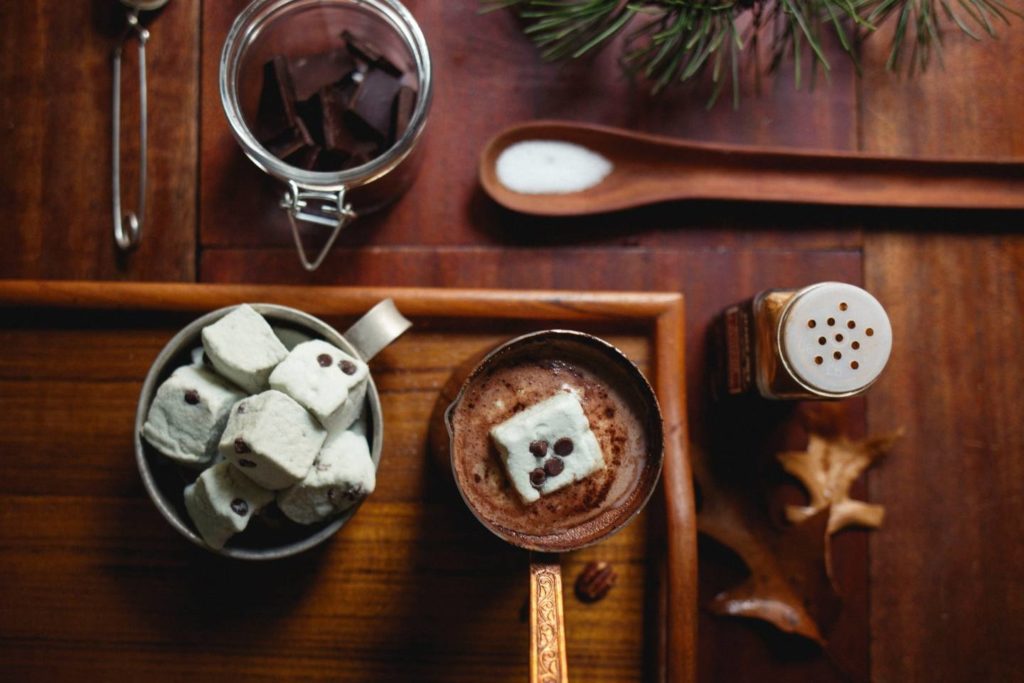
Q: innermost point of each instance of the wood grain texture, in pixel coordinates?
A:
(55, 182)
(115, 578)
(947, 597)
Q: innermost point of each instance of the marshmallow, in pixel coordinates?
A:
(548, 446)
(342, 475)
(243, 348)
(221, 502)
(188, 414)
(345, 417)
(271, 439)
(319, 376)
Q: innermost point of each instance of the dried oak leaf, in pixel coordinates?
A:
(827, 469)
(790, 583)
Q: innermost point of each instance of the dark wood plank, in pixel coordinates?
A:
(485, 60)
(55, 187)
(946, 596)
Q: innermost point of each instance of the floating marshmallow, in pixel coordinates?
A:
(188, 414)
(243, 348)
(342, 475)
(221, 502)
(272, 439)
(319, 376)
(548, 446)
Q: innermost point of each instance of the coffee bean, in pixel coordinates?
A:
(554, 467)
(537, 477)
(239, 507)
(539, 448)
(324, 360)
(241, 446)
(191, 397)
(348, 367)
(563, 446)
(246, 463)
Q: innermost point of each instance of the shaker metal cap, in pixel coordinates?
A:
(836, 338)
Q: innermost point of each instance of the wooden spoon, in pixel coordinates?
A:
(650, 168)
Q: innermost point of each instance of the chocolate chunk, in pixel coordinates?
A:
(331, 160)
(594, 582)
(537, 477)
(324, 360)
(241, 446)
(290, 141)
(369, 53)
(371, 107)
(305, 157)
(276, 113)
(239, 507)
(311, 72)
(405, 104)
(563, 446)
(364, 153)
(348, 367)
(539, 448)
(554, 467)
(246, 463)
(334, 103)
(311, 111)
(191, 397)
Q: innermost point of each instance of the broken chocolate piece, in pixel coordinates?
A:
(335, 100)
(276, 115)
(405, 105)
(370, 109)
(305, 157)
(331, 160)
(369, 53)
(291, 141)
(312, 72)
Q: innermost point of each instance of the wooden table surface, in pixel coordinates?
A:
(938, 593)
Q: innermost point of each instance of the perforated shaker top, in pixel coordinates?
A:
(836, 338)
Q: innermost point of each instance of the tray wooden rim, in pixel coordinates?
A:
(662, 312)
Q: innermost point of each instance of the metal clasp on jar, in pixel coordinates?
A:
(324, 208)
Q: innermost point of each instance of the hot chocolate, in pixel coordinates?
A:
(618, 407)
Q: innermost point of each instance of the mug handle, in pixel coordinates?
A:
(547, 622)
(378, 328)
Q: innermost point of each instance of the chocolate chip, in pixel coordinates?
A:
(324, 360)
(239, 507)
(563, 446)
(241, 446)
(191, 397)
(537, 477)
(246, 463)
(348, 367)
(554, 467)
(240, 409)
(539, 448)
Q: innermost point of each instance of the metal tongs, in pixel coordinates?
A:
(127, 237)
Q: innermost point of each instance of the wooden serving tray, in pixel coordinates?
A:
(95, 585)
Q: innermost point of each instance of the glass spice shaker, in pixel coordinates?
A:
(826, 341)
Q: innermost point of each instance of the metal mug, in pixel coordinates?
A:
(164, 481)
(547, 632)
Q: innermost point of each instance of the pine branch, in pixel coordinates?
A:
(673, 41)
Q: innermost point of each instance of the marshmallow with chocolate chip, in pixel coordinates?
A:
(222, 501)
(342, 475)
(243, 347)
(188, 414)
(548, 446)
(272, 439)
(321, 377)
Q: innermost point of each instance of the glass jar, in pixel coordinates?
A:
(298, 28)
(829, 340)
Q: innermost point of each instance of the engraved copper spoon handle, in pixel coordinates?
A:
(547, 622)
(650, 169)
